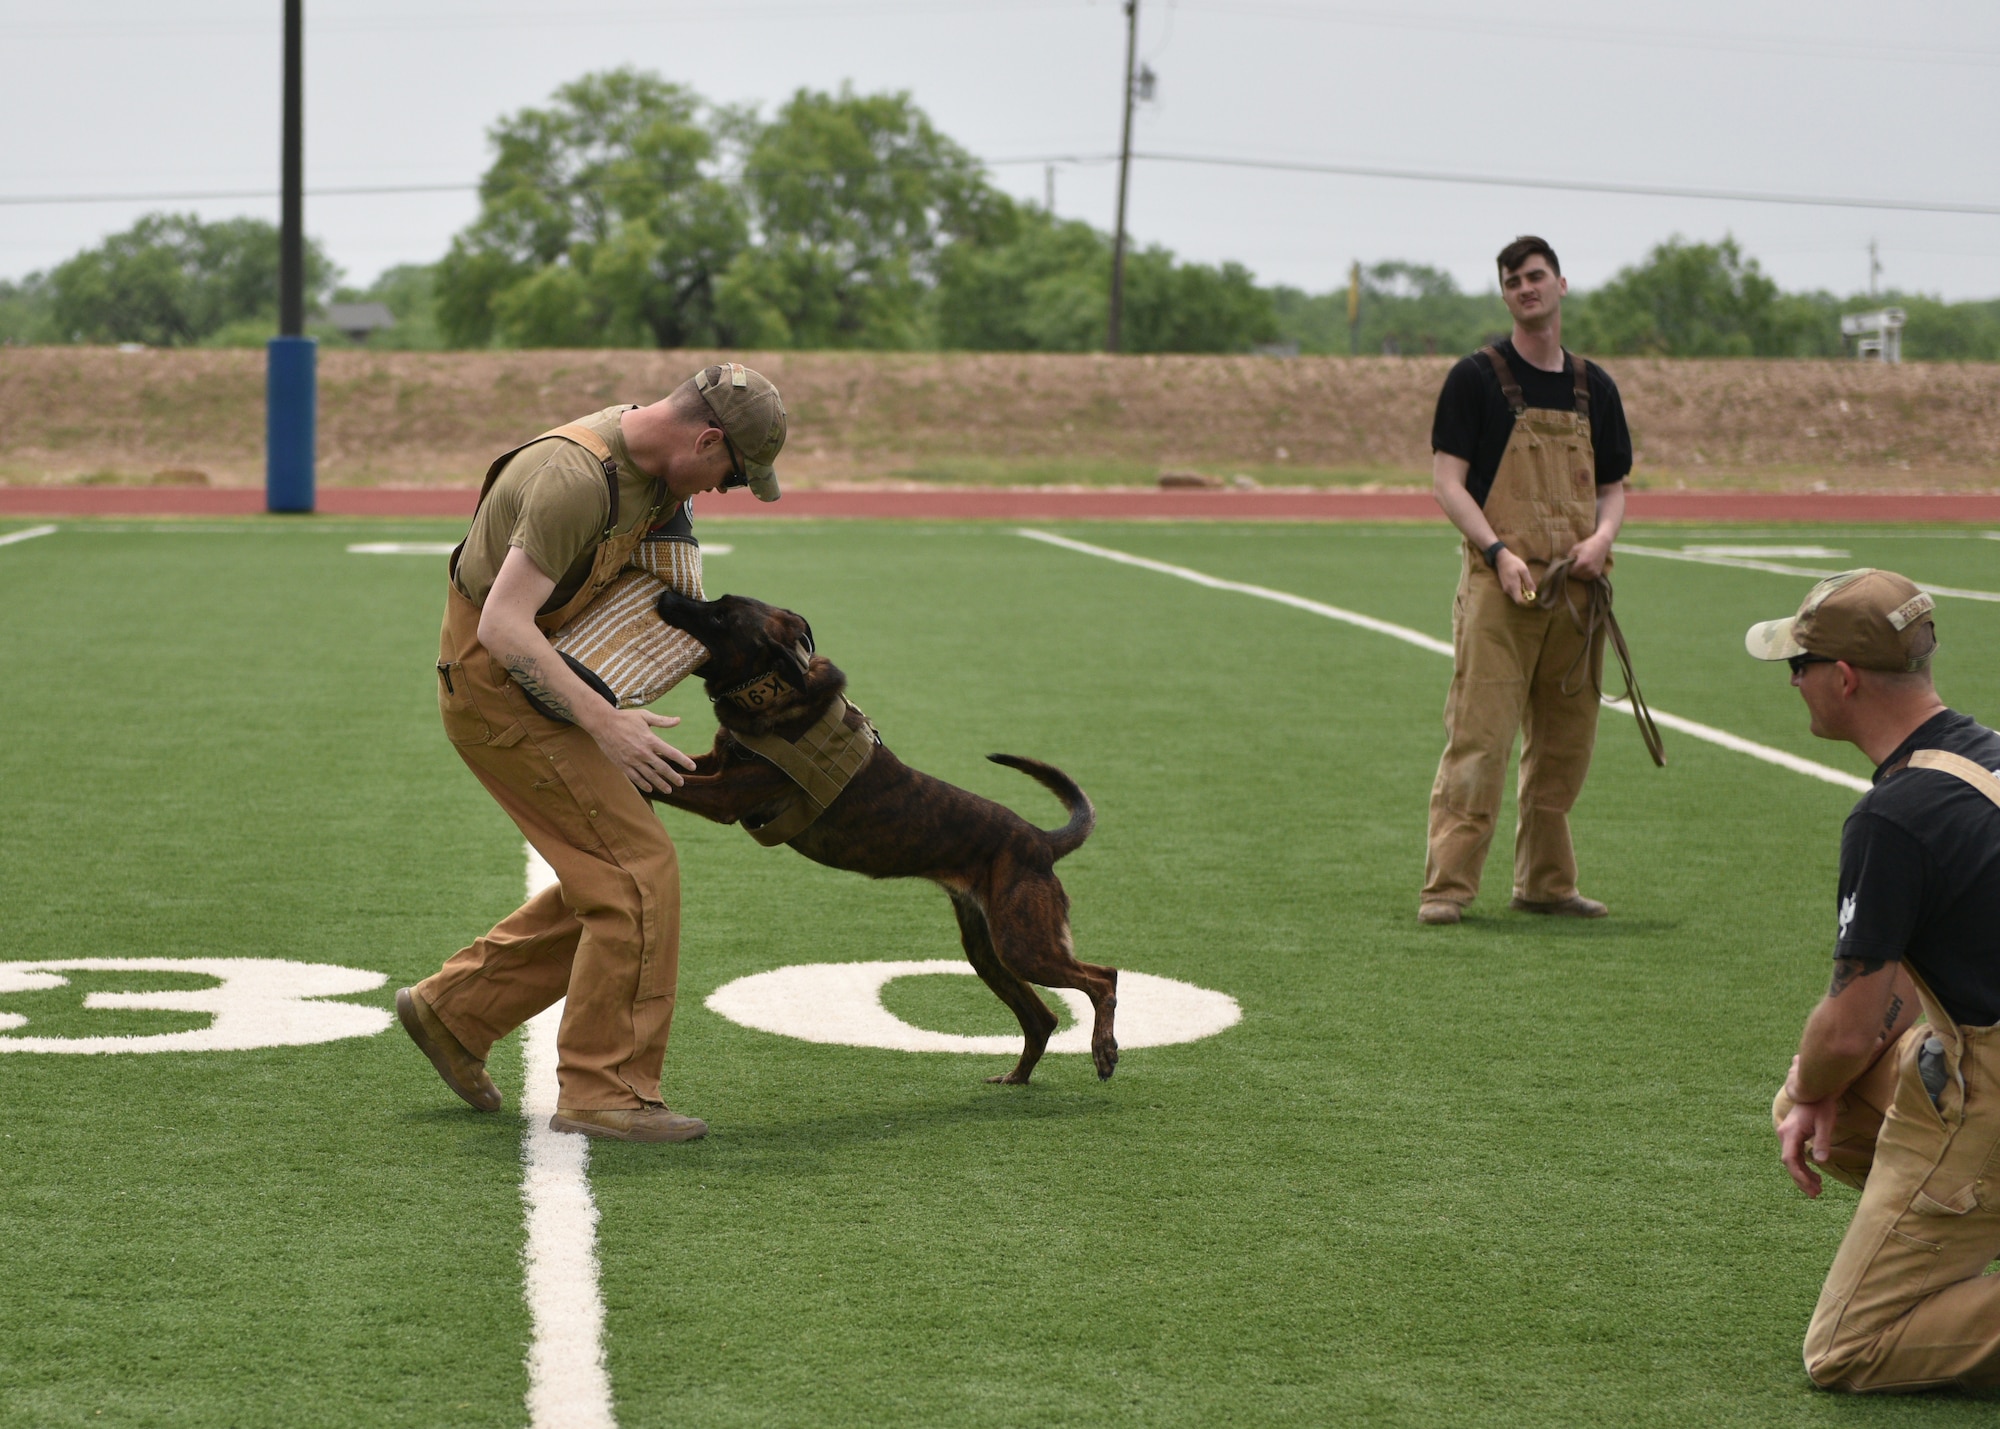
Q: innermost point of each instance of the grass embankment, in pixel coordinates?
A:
(92, 414)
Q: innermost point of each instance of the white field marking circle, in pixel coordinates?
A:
(257, 1002)
(842, 1003)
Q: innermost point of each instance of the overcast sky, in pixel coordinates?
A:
(1816, 97)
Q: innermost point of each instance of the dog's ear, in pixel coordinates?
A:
(799, 657)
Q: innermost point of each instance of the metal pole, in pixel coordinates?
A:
(290, 375)
(291, 224)
(1124, 181)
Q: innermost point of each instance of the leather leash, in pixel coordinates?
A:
(1597, 615)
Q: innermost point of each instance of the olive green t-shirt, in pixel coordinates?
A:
(551, 500)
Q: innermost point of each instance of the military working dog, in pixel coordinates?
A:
(891, 821)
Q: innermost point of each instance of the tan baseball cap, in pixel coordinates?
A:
(747, 406)
(1874, 620)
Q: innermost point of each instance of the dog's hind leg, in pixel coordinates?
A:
(1038, 1024)
(1029, 922)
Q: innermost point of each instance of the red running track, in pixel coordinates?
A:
(1023, 504)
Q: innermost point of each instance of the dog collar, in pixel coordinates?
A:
(760, 692)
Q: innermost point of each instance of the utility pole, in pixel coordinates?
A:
(290, 378)
(1124, 179)
(1354, 309)
(1874, 268)
(1049, 188)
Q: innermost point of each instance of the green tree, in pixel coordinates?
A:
(171, 280)
(409, 292)
(1939, 331)
(1040, 284)
(1405, 308)
(601, 223)
(1701, 300)
(1192, 307)
(1043, 286)
(27, 311)
(854, 197)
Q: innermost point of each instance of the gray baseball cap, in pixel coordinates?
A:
(748, 408)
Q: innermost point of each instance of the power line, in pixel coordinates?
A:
(352, 190)
(197, 195)
(1370, 171)
(1362, 171)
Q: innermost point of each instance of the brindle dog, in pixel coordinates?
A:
(893, 821)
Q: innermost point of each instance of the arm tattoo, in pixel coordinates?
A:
(527, 673)
(1846, 970)
(1889, 1017)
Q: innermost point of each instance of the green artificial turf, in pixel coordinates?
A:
(1509, 1173)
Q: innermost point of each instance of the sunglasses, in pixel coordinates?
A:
(1799, 662)
(737, 475)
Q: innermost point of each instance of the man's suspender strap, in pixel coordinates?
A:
(1979, 777)
(599, 448)
(1509, 388)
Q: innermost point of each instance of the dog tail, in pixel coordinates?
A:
(1082, 815)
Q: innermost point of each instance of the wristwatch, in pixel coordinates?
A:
(1492, 554)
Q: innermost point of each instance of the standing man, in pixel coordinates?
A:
(557, 521)
(1908, 1112)
(1529, 457)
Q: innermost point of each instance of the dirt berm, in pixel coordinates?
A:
(104, 415)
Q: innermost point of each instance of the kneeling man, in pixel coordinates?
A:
(1907, 1111)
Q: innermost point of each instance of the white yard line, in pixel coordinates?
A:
(26, 535)
(1707, 733)
(1744, 563)
(568, 1387)
(1297, 602)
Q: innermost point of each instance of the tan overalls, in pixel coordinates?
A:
(1908, 1303)
(607, 936)
(1520, 667)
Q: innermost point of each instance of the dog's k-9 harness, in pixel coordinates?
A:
(821, 763)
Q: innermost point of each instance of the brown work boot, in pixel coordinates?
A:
(1574, 906)
(651, 1122)
(462, 1072)
(1437, 913)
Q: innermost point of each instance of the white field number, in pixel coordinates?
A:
(255, 1002)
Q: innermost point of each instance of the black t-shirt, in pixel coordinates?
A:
(1474, 421)
(1920, 871)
